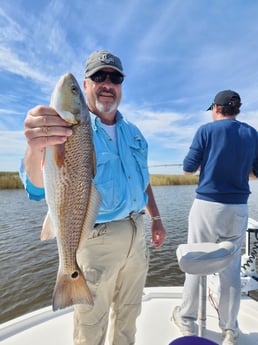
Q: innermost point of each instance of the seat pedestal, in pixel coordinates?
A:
(203, 259)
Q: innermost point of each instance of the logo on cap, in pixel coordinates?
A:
(107, 59)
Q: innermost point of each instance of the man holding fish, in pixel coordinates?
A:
(96, 183)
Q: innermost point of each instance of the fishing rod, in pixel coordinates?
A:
(165, 165)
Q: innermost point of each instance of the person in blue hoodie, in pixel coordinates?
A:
(225, 152)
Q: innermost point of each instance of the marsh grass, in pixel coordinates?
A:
(11, 180)
(173, 180)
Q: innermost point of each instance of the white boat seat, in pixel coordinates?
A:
(205, 258)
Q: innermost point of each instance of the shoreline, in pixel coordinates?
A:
(11, 180)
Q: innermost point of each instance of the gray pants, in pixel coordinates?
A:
(215, 222)
(115, 263)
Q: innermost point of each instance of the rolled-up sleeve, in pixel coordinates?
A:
(34, 193)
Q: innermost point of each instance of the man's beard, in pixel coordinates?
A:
(106, 107)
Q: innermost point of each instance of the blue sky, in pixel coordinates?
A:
(177, 54)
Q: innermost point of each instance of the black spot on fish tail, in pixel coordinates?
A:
(71, 289)
(74, 275)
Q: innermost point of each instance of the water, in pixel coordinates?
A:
(29, 266)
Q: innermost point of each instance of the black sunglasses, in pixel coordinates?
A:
(100, 76)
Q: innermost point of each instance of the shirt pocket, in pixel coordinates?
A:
(139, 153)
(108, 181)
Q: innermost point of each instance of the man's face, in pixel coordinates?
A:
(103, 97)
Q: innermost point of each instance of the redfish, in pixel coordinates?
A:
(72, 199)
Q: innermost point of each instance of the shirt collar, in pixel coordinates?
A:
(95, 120)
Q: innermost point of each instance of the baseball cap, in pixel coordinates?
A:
(101, 59)
(225, 98)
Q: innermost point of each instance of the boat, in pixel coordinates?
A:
(154, 325)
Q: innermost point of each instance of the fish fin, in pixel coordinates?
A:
(94, 205)
(91, 214)
(59, 154)
(66, 115)
(43, 159)
(48, 230)
(71, 290)
(94, 159)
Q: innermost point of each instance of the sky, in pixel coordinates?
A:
(177, 54)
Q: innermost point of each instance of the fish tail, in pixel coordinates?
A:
(71, 289)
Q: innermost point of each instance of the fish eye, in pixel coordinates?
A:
(74, 89)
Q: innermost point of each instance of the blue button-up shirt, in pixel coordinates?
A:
(121, 174)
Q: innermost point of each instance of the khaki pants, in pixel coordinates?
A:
(114, 262)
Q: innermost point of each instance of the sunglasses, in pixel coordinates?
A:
(100, 76)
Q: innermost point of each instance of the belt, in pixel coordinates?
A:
(132, 215)
(129, 217)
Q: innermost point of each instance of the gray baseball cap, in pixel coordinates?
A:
(102, 59)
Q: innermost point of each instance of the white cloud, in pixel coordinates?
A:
(10, 62)
(175, 60)
(12, 149)
(9, 29)
(12, 142)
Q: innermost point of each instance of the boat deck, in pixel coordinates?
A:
(153, 326)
